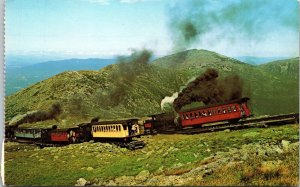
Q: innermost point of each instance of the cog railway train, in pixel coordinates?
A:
(124, 132)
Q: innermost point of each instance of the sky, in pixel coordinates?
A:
(106, 28)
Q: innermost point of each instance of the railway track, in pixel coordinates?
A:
(264, 121)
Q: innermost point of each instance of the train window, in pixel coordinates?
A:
(182, 116)
(191, 115)
(229, 109)
(234, 108)
(186, 116)
(196, 115)
(219, 110)
(204, 113)
(125, 127)
(224, 110)
(209, 112)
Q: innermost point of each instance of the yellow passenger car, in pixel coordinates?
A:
(121, 129)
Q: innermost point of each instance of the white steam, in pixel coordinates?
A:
(168, 100)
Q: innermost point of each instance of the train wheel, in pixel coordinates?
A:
(179, 127)
(131, 147)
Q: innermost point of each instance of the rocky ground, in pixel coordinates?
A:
(232, 158)
(260, 156)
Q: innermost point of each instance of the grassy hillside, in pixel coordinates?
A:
(86, 94)
(249, 157)
(273, 88)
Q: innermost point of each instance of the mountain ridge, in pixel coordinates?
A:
(86, 94)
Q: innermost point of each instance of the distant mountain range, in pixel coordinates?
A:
(22, 71)
(272, 87)
(258, 60)
(21, 77)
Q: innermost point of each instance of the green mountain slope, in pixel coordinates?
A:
(86, 94)
(283, 68)
(272, 87)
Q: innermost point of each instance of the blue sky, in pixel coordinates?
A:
(105, 28)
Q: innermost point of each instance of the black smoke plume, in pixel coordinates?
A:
(191, 21)
(52, 113)
(210, 89)
(129, 68)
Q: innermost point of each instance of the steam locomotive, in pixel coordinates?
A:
(231, 111)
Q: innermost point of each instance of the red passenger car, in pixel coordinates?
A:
(229, 111)
(70, 135)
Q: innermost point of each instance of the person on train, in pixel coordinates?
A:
(134, 129)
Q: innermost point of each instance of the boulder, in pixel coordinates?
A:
(89, 168)
(143, 176)
(285, 145)
(111, 183)
(81, 182)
